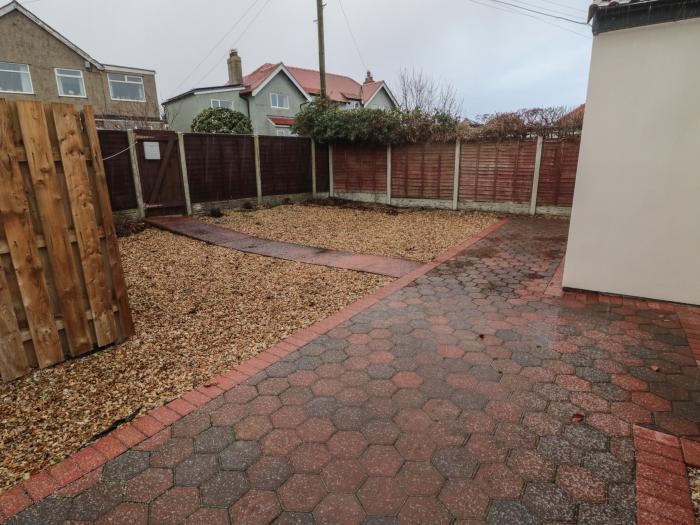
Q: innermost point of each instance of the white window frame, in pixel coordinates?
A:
(29, 75)
(125, 81)
(279, 96)
(219, 100)
(58, 82)
(283, 131)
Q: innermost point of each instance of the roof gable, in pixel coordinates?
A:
(371, 89)
(15, 6)
(265, 73)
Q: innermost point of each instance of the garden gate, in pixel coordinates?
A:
(157, 154)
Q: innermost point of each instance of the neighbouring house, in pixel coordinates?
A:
(635, 224)
(38, 63)
(273, 94)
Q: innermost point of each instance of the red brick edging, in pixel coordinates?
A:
(663, 492)
(84, 466)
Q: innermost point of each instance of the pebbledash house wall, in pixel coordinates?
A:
(635, 227)
(260, 109)
(180, 112)
(24, 42)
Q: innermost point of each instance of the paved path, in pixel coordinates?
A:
(453, 400)
(213, 234)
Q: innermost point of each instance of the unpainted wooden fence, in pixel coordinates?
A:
(62, 289)
(207, 170)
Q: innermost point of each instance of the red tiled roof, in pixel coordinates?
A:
(282, 121)
(339, 88)
(369, 89)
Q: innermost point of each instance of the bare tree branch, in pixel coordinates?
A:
(418, 91)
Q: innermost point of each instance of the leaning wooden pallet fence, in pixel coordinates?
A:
(62, 289)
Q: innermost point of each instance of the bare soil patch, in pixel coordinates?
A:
(419, 235)
(199, 310)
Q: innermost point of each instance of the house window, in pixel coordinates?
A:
(353, 104)
(126, 87)
(279, 101)
(70, 82)
(283, 131)
(216, 103)
(15, 78)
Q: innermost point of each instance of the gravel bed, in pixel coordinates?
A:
(694, 476)
(199, 309)
(419, 235)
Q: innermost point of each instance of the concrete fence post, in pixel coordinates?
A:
(536, 176)
(331, 189)
(258, 177)
(135, 173)
(183, 169)
(455, 184)
(388, 174)
(313, 168)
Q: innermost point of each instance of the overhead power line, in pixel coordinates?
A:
(564, 18)
(240, 37)
(549, 10)
(215, 46)
(518, 12)
(552, 2)
(352, 35)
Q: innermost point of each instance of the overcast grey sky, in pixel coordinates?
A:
(497, 60)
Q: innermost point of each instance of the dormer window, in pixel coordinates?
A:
(126, 87)
(279, 101)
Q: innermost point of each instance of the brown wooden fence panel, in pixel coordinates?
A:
(558, 172)
(220, 167)
(285, 165)
(497, 171)
(61, 285)
(322, 171)
(423, 171)
(118, 169)
(359, 168)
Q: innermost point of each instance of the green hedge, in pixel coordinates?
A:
(326, 122)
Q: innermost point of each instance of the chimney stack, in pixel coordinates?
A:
(235, 69)
(369, 78)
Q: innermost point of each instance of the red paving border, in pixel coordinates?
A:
(663, 493)
(210, 233)
(80, 468)
(662, 485)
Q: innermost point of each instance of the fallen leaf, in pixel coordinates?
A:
(577, 418)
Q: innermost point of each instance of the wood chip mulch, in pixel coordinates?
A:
(419, 235)
(199, 309)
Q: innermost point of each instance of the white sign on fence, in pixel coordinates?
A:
(151, 150)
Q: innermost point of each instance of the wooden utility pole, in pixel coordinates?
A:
(321, 47)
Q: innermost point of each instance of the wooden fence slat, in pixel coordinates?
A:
(118, 282)
(23, 250)
(13, 359)
(67, 126)
(55, 224)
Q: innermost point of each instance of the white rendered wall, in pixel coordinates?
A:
(635, 223)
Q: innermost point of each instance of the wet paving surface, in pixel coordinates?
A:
(467, 397)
